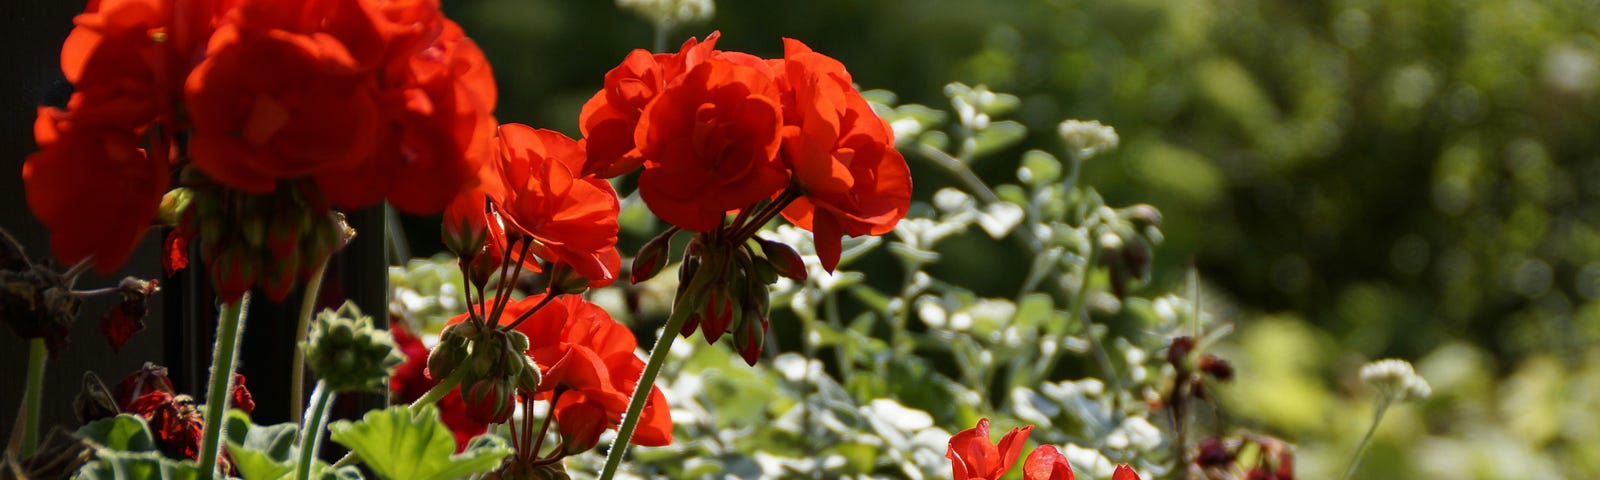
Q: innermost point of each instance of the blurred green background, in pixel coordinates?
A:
(1354, 179)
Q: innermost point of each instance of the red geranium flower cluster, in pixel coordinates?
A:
(718, 132)
(355, 100)
(587, 367)
(974, 457)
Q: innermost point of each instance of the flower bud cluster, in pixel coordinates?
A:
(727, 287)
(345, 350)
(496, 368)
(270, 241)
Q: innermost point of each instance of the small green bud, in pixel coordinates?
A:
(347, 352)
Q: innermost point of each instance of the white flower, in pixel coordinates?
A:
(1087, 139)
(1396, 379)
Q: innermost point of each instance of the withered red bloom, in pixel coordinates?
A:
(242, 399)
(710, 143)
(127, 317)
(974, 457)
(149, 378)
(842, 155)
(609, 118)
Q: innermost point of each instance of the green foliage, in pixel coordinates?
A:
(125, 450)
(397, 444)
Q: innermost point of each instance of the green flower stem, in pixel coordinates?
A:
(438, 391)
(297, 368)
(33, 397)
(1366, 440)
(316, 421)
(230, 325)
(641, 392)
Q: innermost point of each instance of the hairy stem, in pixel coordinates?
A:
(311, 429)
(641, 392)
(230, 327)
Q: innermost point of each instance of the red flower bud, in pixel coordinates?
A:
(1046, 463)
(1217, 367)
(783, 258)
(750, 337)
(489, 401)
(1124, 472)
(652, 257)
(466, 224)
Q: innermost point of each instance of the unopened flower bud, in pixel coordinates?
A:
(750, 337)
(1178, 352)
(465, 228)
(530, 378)
(346, 351)
(448, 354)
(254, 230)
(565, 280)
(1218, 368)
(489, 401)
(783, 258)
(652, 257)
(1142, 215)
(173, 205)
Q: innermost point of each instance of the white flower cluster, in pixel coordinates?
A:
(1087, 139)
(1396, 379)
(671, 12)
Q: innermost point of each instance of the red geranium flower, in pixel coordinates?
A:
(609, 118)
(269, 103)
(974, 457)
(588, 366)
(94, 187)
(1046, 463)
(842, 154)
(440, 129)
(537, 188)
(710, 143)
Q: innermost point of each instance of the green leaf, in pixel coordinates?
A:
(398, 445)
(998, 136)
(124, 432)
(261, 452)
(118, 465)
